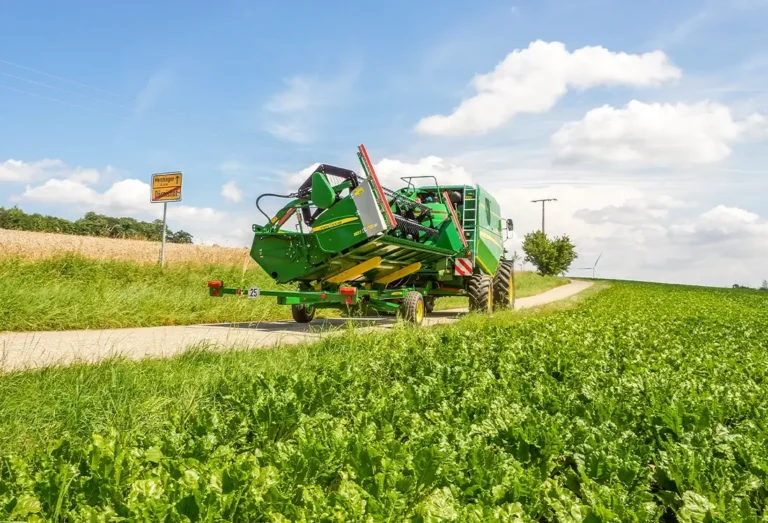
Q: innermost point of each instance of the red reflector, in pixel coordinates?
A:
(216, 284)
(323, 296)
(349, 300)
(348, 291)
(469, 253)
(239, 291)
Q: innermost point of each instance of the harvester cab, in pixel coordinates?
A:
(357, 244)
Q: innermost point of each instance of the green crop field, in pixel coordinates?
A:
(74, 292)
(637, 402)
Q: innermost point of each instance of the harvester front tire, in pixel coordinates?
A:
(413, 307)
(504, 286)
(302, 314)
(480, 290)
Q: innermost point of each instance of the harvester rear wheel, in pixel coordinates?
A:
(504, 286)
(413, 307)
(480, 290)
(301, 313)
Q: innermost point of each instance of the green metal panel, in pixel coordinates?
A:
(339, 227)
(490, 243)
(323, 195)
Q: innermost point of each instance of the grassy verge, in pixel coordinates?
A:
(562, 414)
(73, 292)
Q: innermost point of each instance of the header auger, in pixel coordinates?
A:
(358, 244)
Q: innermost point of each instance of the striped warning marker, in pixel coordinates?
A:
(463, 267)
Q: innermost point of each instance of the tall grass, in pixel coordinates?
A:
(73, 292)
(70, 291)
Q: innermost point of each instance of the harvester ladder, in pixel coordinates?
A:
(469, 216)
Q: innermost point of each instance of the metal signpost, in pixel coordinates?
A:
(166, 187)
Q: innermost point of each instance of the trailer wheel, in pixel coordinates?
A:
(429, 304)
(504, 286)
(301, 313)
(413, 307)
(480, 290)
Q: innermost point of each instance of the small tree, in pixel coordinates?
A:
(550, 257)
(764, 286)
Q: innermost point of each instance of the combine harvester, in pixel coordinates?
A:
(358, 245)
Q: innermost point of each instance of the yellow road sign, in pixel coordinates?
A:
(166, 187)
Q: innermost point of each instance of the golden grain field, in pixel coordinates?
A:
(37, 245)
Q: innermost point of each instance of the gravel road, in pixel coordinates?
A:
(38, 349)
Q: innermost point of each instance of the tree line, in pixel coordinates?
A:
(763, 286)
(92, 224)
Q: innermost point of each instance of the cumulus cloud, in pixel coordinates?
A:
(655, 134)
(532, 80)
(390, 171)
(729, 229)
(231, 192)
(20, 171)
(634, 211)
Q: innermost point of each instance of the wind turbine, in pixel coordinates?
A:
(593, 268)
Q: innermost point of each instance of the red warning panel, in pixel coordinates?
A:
(463, 267)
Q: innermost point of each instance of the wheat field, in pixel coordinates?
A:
(41, 245)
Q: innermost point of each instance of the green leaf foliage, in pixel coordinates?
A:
(643, 403)
(550, 256)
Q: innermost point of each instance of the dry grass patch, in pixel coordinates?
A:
(42, 245)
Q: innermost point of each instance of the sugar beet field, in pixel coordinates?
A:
(641, 402)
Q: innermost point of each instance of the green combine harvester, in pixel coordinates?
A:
(359, 246)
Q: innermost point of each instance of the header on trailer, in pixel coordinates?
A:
(355, 242)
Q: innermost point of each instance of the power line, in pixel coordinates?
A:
(542, 209)
(41, 84)
(73, 82)
(63, 102)
(64, 79)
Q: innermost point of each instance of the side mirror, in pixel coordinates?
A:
(510, 224)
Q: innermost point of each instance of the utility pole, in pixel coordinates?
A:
(542, 209)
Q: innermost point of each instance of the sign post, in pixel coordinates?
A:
(166, 187)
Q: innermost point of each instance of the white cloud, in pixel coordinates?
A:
(644, 234)
(294, 180)
(390, 172)
(61, 191)
(738, 232)
(20, 171)
(532, 80)
(85, 175)
(231, 192)
(655, 134)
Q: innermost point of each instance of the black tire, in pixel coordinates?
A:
(480, 290)
(413, 307)
(504, 286)
(429, 304)
(302, 314)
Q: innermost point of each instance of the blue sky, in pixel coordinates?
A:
(248, 94)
